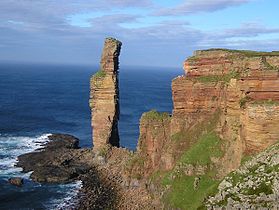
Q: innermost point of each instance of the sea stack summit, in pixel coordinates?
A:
(104, 97)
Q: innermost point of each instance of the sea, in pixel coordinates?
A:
(37, 100)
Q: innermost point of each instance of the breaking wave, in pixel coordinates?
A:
(55, 196)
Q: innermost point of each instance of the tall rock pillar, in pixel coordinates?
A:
(104, 97)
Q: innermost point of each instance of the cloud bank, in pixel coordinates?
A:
(40, 31)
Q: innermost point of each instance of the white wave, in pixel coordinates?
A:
(66, 202)
(13, 146)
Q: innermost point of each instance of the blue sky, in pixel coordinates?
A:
(153, 32)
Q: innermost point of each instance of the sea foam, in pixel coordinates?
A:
(13, 146)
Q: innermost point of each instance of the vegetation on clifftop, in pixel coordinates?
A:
(219, 78)
(243, 101)
(248, 53)
(154, 115)
(268, 102)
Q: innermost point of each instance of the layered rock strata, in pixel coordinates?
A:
(154, 142)
(104, 97)
(241, 86)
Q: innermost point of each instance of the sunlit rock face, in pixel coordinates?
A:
(104, 97)
(242, 87)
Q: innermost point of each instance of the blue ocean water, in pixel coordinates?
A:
(36, 100)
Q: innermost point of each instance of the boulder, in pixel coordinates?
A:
(17, 181)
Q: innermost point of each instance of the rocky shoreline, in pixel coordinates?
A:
(62, 161)
(104, 184)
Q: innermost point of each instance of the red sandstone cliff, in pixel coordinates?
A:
(241, 86)
(104, 97)
(226, 106)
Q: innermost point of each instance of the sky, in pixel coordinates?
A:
(160, 33)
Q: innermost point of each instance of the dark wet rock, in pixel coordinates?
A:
(17, 181)
(63, 141)
(58, 162)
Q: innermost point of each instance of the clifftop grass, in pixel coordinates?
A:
(154, 115)
(243, 101)
(218, 78)
(248, 53)
(268, 102)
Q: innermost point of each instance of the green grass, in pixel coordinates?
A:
(154, 115)
(183, 195)
(99, 74)
(269, 66)
(179, 136)
(246, 99)
(104, 151)
(268, 102)
(202, 144)
(270, 169)
(248, 53)
(135, 161)
(218, 78)
(245, 159)
(209, 145)
(262, 188)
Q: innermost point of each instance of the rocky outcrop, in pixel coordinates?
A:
(154, 143)
(104, 97)
(255, 185)
(17, 181)
(62, 161)
(59, 161)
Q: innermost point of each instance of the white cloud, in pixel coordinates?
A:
(196, 6)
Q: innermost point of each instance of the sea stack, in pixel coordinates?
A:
(104, 97)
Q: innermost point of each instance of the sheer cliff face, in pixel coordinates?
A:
(104, 97)
(242, 86)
